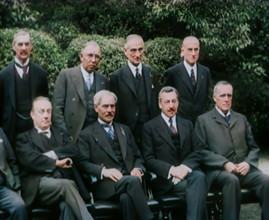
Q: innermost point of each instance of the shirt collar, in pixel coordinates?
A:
(19, 62)
(189, 67)
(46, 130)
(166, 119)
(221, 113)
(102, 122)
(133, 68)
(86, 75)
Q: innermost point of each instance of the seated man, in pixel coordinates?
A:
(113, 157)
(171, 151)
(10, 201)
(47, 166)
(231, 153)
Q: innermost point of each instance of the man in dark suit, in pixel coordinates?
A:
(171, 150)
(113, 157)
(74, 90)
(47, 166)
(231, 153)
(10, 182)
(136, 87)
(190, 79)
(20, 82)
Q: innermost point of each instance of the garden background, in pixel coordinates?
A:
(234, 37)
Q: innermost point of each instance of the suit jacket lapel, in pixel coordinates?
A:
(148, 82)
(200, 79)
(37, 140)
(182, 131)
(100, 138)
(11, 83)
(122, 139)
(185, 77)
(129, 79)
(97, 82)
(162, 129)
(34, 79)
(219, 118)
(233, 119)
(57, 135)
(79, 84)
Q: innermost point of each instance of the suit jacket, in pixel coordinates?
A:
(39, 87)
(160, 153)
(69, 102)
(30, 149)
(122, 84)
(192, 104)
(225, 142)
(8, 163)
(94, 145)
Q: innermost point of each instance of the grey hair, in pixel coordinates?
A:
(92, 43)
(99, 95)
(39, 98)
(21, 33)
(223, 83)
(167, 89)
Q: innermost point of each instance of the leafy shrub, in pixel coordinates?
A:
(45, 52)
(112, 55)
(163, 53)
(62, 31)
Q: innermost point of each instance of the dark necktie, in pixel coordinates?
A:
(24, 69)
(45, 133)
(137, 74)
(193, 81)
(171, 127)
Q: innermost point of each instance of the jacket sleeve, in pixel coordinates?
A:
(58, 102)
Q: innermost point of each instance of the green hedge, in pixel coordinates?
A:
(45, 52)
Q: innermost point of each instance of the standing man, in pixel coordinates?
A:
(74, 90)
(20, 82)
(171, 150)
(231, 154)
(47, 166)
(136, 87)
(10, 201)
(114, 158)
(190, 79)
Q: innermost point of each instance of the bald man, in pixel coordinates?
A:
(190, 79)
(136, 87)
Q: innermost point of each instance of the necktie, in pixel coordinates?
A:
(137, 74)
(227, 118)
(193, 81)
(24, 69)
(45, 133)
(88, 82)
(171, 127)
(109, 131)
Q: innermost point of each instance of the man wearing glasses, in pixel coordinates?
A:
(136, 87)
(74, 89)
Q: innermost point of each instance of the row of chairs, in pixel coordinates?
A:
(106, 210)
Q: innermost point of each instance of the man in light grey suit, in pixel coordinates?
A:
(231, 154)
(73, 94)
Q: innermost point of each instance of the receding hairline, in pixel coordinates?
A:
(21, 33)
(167, 89)
(90, 43)
(190, 39)
(133, 37)
(99, 95)
(221, 83)
(39, 98)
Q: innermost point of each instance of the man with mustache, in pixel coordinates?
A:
(73, 94)
(231, 154)
(172, 151)
(136, 86)
(20, 82)
(113, 157)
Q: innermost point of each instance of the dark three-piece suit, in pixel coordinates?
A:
(122, 154)
(161, 152)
